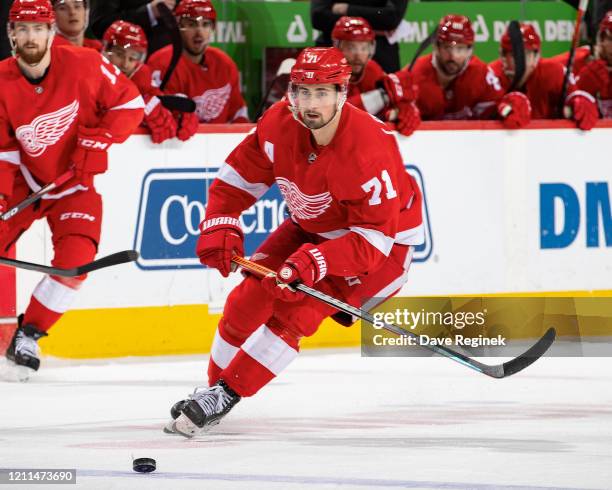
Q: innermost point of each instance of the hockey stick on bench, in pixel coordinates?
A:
(495, 371)
(108, 261)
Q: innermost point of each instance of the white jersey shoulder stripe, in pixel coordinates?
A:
(230, 176)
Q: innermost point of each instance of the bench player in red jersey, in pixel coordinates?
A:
(390, 97)
(204, 73)
(72, 18)
(452, 82)
(78, 105)
(538, 94)
(355, 215)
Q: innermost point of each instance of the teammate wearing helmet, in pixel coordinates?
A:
(596, 77)
(537, 94)
(72, 18)
(370, 88)
(355, 214)
(125, 45)
(452, 82)
(204, 73)
(78, 105)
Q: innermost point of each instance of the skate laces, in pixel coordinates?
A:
(26, 345)
(213, 400)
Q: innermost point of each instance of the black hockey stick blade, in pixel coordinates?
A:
(169, 22)
(108, 261)
(495, 371)
(422, 47)
(518, 53)
(177, 103)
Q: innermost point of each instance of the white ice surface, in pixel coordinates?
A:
(332, 420)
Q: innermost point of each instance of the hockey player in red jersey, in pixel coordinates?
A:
(370, 88)
(72, 18)
(125, 45)
(355, 214)
(452, 82)
(596, 76)
(537, 95)
(204, 73)
(78, 104)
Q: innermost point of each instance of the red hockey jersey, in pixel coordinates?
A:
(213, 84)
(372, 74)
(354, 193)
(60, 40)
(39, 121)
(143, 79)
(581, 57)
(543, 88)
(471, 95)
(603, 96)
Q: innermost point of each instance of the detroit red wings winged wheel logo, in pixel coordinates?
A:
(210, 104)
(302, 205)
(46, 130)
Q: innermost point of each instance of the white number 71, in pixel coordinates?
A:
(375, 185)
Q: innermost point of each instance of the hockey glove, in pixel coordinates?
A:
(407, 118)
(188, 123)
(3, 209)
(159, 120)
(515, 110)
(399, 87)
(581, 107)
(307, 266)
(90, 156)
(594, 77)
(220, 239)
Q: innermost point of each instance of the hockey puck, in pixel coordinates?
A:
(144, 465)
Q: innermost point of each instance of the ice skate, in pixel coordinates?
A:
(23, 352)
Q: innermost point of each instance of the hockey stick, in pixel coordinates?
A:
(177, 103)
(175, 36)
(35, 196)
(422, 47)
(582, 6)
(108, 261)
(518, 53)
(495, 371)
(283, 69)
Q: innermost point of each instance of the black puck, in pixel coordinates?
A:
(144, 465)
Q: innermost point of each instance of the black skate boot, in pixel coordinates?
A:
(175, 412)
(23, 349)
(205, 409)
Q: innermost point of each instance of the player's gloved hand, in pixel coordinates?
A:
(407, 118)
(515, 110)
(307, 265)
(594, 77)
(582, 108)
(399, 87)
(188, 123)
(3, 209)
(159, 120)
(90, 156)
(220, 239)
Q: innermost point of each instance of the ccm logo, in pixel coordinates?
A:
(84, 216)
(93, 144)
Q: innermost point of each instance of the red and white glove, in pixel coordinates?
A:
(407, 118)
(399, 87)
(307, 265)
(159, 120)
(188, 123)
(220, 239)
(582, 108)
(594, 77)
(3, 209)
(515, 110)
(90, 156)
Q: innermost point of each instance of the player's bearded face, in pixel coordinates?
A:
(31, 41)
(452, 57)
(357, 53)
(317, 104)
(196, 34)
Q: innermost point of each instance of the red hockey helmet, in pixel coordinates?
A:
(32, 11)
(320, 65)
(352, 29)
(195, 9)
(606, 24)
(126, 35)
(455, 29)
(531, 40)
(56, 2)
